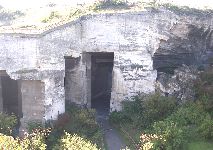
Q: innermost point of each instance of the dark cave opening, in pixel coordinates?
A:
(10, 95)
(101, 81)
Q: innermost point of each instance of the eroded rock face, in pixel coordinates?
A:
(147, 46)
(187, 44)
(180, 84)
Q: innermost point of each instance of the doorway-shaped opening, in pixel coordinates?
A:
(101, 81)
(10, 95)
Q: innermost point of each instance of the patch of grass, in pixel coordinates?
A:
(76, 12)
(53, 15)
(110, 4)
(201, 145)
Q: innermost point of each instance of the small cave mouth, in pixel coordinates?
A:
(195, 49)
(101, 81)
(10, 96)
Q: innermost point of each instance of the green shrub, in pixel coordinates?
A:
(206, 102)
(7, 123)
(131, 112)
(197, 122)
(204, 89)
(33, 125)
(34, 141)
(192, 118)
(173, 137)
(188, 114)
(74, 142)
(53, 138)
(157, 107)
(166, 136)
(8, 142)
(117, 117)
(144, 110)
(80, 121)
(205, 129)
(148, 141)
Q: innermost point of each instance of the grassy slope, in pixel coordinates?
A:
(201, 145)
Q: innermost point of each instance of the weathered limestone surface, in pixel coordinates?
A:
(187, 44)
(32, 93)
(180, 84)
(137, 39)
(1, 98)
(76, 90)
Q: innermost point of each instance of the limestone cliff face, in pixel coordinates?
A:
(144, 45)
(194, 47)
(188, 50)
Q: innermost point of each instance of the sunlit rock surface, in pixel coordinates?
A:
(147, 45)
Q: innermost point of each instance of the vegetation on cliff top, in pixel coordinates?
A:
(43, 18)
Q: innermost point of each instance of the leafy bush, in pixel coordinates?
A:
(131, 112)
(144, 110)
(78, 121)
(7, 123)
(164, 135)
(8, 142)
(34, 125)
(188, 114)
(204, 89)
(157, 107)
(147, 141)
(117, 117)
(34, 141)
(168, 125)
(205, 128)
(74, 142)
(172, 135)
(194, 119)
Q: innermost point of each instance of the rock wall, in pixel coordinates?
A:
(1, 98)
(32, 102)
(194, 47)
(143, 43)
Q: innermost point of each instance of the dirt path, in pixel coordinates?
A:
(112, 138)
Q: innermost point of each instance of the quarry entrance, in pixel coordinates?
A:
(88, 80)
(101, 81)
(10, 95)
